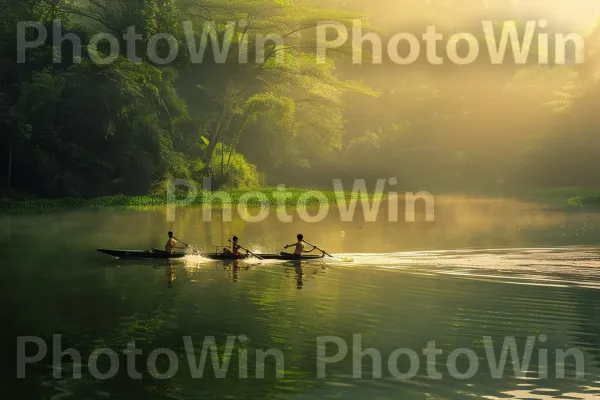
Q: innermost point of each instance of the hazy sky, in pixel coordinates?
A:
(574, 13)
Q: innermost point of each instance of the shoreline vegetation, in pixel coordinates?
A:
(275, 197)
(572, 197)
(246, 110)
(564, 198)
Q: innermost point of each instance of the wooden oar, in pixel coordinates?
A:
(249, 252)
(186, 245)
(321, 250)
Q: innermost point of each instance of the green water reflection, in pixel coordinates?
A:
(53, 282)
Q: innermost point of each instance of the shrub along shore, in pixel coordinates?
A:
(571, 197)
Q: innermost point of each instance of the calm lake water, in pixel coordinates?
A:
(483, 268)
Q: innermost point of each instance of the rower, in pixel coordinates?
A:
(299, 246)
(171, 243)
(235, 248)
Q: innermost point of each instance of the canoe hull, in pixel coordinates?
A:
(291, 257)
(147, 254)
(280, 256)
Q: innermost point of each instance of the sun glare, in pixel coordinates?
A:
(578, 14)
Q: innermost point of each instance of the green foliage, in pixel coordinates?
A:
(232, 169)
(272, 109)
(127, 135)
(274, 196)
(568, 196)
(580, 201)
(88, 130)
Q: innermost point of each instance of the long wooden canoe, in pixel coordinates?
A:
(280, 256)
(161, 254)
(148, 254)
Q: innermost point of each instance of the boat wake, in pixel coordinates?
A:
(568, 266)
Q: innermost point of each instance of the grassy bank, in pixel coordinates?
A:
(574, 197)
(270, 197)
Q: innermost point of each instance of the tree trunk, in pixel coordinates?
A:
(235, 140)
(223, 124)
(214, 139)
(222, 154)
(9, 166)
(218, 134)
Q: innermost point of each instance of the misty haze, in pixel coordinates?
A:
(300, 199)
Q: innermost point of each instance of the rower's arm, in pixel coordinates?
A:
(311, 250)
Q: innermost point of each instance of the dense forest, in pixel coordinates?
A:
(71, 126)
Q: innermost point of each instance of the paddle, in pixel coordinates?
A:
(249, 252)
(321, 250)
(186, 245)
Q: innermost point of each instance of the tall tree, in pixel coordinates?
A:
(281, 86)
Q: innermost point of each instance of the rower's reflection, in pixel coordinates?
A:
(235, 268)
(299, 275)
(170, 275)
(299, 272)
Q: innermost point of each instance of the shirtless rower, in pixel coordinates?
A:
(171, 244)
(235, 247)
(299, 246)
